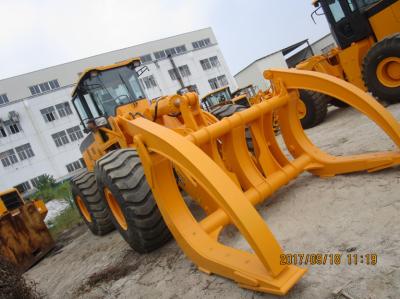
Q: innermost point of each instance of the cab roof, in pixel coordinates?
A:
(7, 191)
(215, 91)
(102, 68)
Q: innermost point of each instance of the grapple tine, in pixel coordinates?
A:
(214, 166)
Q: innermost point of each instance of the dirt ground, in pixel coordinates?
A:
(356, 213)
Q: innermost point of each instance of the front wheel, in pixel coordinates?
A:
(134, 211)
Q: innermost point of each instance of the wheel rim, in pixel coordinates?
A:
(301, 109)
(82, 207)
(115, 209)
(388, 72)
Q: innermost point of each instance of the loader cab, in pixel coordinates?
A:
(249, 90)
(10, 200)
(348, 19)
(216, 98)
(100, 91)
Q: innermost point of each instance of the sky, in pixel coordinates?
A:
(35, 34)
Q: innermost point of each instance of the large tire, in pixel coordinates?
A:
(316, 108)
(228, 110)
(384, 49)
(337, 103)
(90, 204)
(134, 211)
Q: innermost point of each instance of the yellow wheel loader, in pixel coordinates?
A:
(143, 158)
(368, 54)
(24, 237)
(223, 96)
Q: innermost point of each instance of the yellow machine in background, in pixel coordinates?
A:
(141, 155)
(223, 96)
(368, 54)
(24, 237)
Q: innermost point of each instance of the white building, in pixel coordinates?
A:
(40, 132)
(253, 73)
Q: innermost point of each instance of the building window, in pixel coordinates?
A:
(184, 70)
(8, 158)
(175, 50)
(201, 43)
(54, 84)
(44, 87)
(172, 74)
(63, 109)
(34, 89)
(218, 82)
(75, 133)
(149, 82)
(214, 61)
(145, 58)
(60, 138)
(205, 64)
(3, 99)
(13, 127)
(170, 51)
(3, 132)
(71, 167)
(213, 83)
(23, 187)
(24, 151)
(159, 54)
(222, 80)
(181, 49)
(49, 114)
(209, 63)
(35, 181)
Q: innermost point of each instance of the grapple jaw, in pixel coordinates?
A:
(216, 169)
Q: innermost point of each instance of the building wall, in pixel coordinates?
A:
(50, 159)
(324, 44)
(253, 74)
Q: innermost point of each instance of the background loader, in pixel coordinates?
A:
(141, 156)
(24, 237)
(368, 54)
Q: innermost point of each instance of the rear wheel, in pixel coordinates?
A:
(228, 110)
(90, 203)
(381, 69)
(316, 105)
(133, 209)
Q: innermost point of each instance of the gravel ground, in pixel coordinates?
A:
(355, 213)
